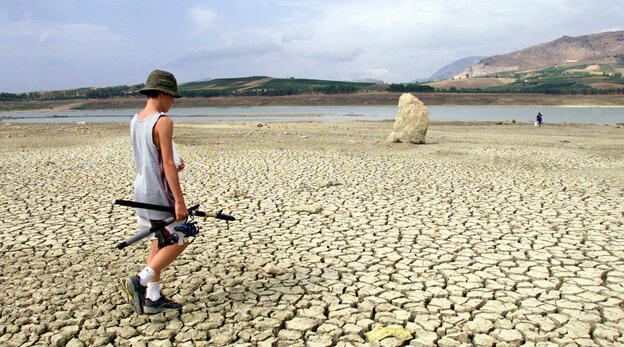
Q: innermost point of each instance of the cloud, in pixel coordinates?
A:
(69, 34)
(79, 33)
(333, 55)
(202, 17)
(378, 73)
(616, 28)
(235, 52)
(295, 36)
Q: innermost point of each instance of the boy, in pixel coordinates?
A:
(157, 165)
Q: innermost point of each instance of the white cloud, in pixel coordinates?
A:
(203, 18)
(290, 36)
(74, 34)
(79, 33)
(332, 55)
(218, 54)
(617, 28)
(377, 73)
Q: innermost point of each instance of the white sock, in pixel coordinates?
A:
(153, 291)
(146, 275)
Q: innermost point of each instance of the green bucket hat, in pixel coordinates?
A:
(161, 81)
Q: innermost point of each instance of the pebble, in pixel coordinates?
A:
(273, 269)
(310, 208)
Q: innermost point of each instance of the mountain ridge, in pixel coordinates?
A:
(455, 68)
(600, 48)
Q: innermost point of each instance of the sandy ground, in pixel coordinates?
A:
(488, 234)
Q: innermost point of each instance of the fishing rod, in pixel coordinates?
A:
(165, 238)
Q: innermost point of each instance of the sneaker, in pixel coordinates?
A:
(161, 305)
(135, 292)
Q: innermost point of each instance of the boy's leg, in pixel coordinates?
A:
(132, 287)
(158, 259)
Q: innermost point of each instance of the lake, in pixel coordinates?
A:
(596, 115)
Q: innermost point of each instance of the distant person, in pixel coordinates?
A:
(157, 165)
(538, 119)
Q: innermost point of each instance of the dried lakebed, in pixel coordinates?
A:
(488, 234)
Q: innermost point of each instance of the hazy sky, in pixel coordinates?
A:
(57, 44)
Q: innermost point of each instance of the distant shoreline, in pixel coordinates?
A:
(276, 107)
(185, 116)
(331, 100)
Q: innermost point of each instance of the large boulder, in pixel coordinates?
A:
(411, 122)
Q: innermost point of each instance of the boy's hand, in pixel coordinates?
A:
(181, 212)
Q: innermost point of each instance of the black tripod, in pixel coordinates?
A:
(164, 238)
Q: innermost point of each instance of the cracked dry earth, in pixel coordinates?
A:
(489, 234)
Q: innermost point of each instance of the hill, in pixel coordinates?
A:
(602, 48)
(242, 86)
(263, 85)
(455, 68)
(370, 80)
(578, 79)
(470, 83)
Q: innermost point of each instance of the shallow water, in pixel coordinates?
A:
(597, 115)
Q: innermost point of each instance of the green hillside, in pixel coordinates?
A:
(578, 79)
(586, 79)
(228, 83)
(263, 85)
(241, 86)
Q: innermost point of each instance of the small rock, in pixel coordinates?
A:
(483, 340)
(313, 208)
(59, 340)
(160, 343)
(478, 325)
(222, 337)
(126, 332)
(508, 335)
(272, 269)
(184, 336)
(286, 334)
(270, 342)
(74, 343)
(301, 324)
(327, 183)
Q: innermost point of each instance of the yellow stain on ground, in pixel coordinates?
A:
(380, 333)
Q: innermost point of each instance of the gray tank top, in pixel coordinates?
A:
(150, 185)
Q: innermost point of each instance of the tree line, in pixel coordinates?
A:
(80, 93)
(125, 91)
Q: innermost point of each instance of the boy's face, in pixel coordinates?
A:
(166, 101)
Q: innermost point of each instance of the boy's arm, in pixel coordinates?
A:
(164, 132)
